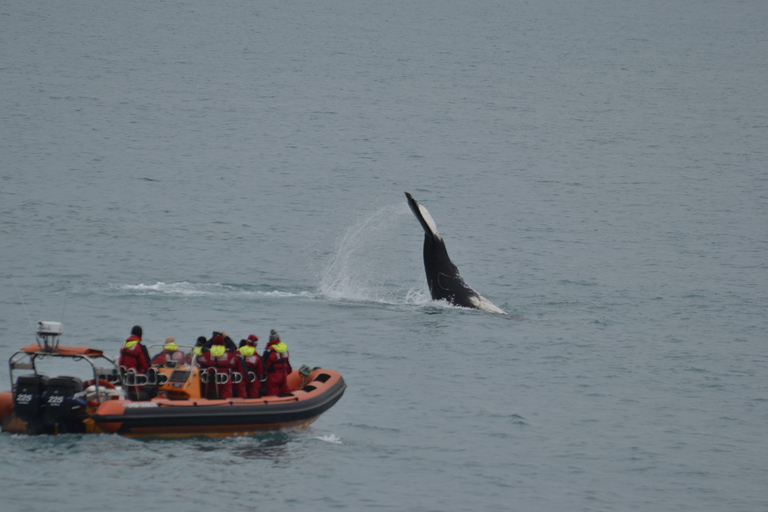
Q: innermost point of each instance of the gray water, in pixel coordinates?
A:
(597, 169)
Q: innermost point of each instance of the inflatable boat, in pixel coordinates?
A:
(39, 404)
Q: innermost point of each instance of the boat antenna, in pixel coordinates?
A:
(64, 307)
(22, 304)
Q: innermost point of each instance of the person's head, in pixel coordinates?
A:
(136, 331)
(170, 344)
(218, 339)
(200, 341)
(274, 339)
(252, 340)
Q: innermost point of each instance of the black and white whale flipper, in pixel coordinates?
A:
(443, 278)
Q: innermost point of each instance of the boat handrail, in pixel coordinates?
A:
(133, 378)
(152, 377)
(218, 377)
(155, 377)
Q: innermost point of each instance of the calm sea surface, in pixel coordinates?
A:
(598, 170)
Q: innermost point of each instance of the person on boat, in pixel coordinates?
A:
(197, 350)
(276, 365)
(224, 362)
(230, 345)
(134, 356)
(253, 365)
(170, 352)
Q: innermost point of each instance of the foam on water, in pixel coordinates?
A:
(329, 438)
(186, 289)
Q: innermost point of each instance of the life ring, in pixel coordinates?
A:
(103, 385)
(102, 382)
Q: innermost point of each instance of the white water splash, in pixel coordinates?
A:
(371, 263)
(329, 438)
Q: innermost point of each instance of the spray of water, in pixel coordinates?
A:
(371, 264)
(329, 438)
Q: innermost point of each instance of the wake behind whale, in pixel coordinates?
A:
(443, 278)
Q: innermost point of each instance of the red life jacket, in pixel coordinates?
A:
(226, 364)
(165, 356)
(255, 372)
(133, 357)
(277, 369)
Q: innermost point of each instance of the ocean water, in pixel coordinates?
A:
(597, 169)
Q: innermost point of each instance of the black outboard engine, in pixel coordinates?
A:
(63, 412)
(28, 402)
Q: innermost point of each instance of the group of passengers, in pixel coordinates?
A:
(246, 373)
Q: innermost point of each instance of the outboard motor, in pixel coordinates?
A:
(28, 402)
(63, 412)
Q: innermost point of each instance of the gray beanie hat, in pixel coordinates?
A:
(273, 335)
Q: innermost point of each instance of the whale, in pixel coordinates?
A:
(443, 278)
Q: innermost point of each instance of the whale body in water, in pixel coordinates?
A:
(443, 278)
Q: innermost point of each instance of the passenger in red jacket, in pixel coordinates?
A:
(170, 352)
(253, 365)
(197, 351)
(134, 356)
(276, 365)
(225, 363)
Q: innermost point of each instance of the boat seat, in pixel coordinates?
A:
(132, 378)
(211, 379)
(155, 377)
(138, 385)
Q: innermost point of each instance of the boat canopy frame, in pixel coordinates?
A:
(26, 359)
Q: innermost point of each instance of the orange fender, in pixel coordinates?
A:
(110, 407)
(6, 406)
(8, 420)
